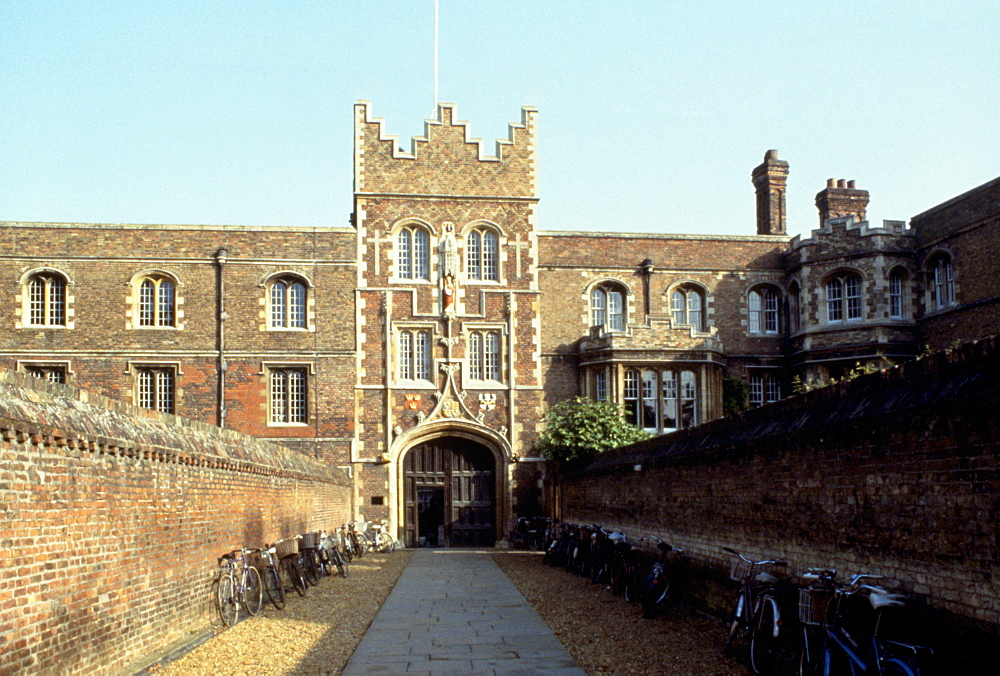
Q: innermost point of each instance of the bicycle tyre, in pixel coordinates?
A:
(654, 598)
(226, 602)
(295, 576)
(897, 666)
(274, 588)
(341, 563)
(309, 569)
(764, 636)
(737, 629)
(253, 593)
(358, 545)
(385, 543)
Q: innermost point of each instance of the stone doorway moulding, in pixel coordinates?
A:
(462, 472)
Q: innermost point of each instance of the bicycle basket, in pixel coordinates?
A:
(284, 548)
(813, 604)
(309, 541)
(739, 569)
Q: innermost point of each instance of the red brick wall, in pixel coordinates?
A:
(895, 474)
(112, 520)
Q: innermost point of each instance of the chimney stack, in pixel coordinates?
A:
(769, 180)
(841, 198)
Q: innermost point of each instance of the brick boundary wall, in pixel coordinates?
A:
(112, 518)
(895, 473)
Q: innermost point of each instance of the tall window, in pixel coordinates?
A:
(795, 306)
(607, 308)
(484, 355)
(481, 254)
(287, 304)
(943, 284)
(413, 253)
(47, 300)
(765, 388)
(661, 400)
(763, 305)
(601, 385)
(155, 388)
(156, 302)
(843, 298)
(896, 294)
(415, 355)
(687, 307)
(289, 387)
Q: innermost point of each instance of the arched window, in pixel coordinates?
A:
(607, 307)
(763, 303)
(687, 305)
(46, 299)
(897, 279)
(482, 247)
(843, 298)
(287, 303)
(942, 283)
(156, 305)
(413, 253)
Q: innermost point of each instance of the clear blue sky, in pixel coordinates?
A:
(651, 113)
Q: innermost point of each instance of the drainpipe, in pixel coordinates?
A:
(221, 256)
(647, 273)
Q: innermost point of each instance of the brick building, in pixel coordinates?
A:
(420, 346)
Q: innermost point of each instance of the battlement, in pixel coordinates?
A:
(835, 228)
(446, 160)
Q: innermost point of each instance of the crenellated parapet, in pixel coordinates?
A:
(446, 160)
(848, 235)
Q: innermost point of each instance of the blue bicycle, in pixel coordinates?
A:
(837, 638)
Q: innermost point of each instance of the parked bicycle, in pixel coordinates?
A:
(757, 616)
(271, 578)
(238, 584)
(839, 637)
(309, 557)
(529, 533)
(287, 552)
(662, 579)
(330, 555)
(378, 538)
(628, 569)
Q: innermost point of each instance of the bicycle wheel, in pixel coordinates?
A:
(253, 593)
(339, 561)
(274, 588)
(226, 602)
(896, 666)
(384, 542)
(309, 568)
(654, 598)
(294, 575)
(764, 636)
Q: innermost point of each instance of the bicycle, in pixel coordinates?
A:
(271, 578)
(237, 586)
(661, 579)
(357, 539)
(287, 552)
(344, 543)
(843, 646)
(311, 569)
(627, 571)
(379, 540)
(757, 616)
(330, 555)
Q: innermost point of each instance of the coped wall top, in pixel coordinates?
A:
(446, 160)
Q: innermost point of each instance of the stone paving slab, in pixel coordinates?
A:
(455, 611)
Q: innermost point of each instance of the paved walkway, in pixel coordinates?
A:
(454, 611)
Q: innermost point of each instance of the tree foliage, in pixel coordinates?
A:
(578, 429)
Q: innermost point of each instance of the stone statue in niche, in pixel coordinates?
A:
(449, 268)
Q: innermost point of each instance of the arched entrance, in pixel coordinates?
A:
(449, 491)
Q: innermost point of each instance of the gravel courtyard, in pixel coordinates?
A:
(317, 634)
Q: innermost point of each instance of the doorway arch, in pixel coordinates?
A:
(450, 493)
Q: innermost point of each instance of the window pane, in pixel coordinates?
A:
(597, 307)
(773, 389)
(279, 396)
(694, 309)
(852, 291)
(278, 309)
(770, 312)
(616, 316)
(422, 356)
(754, 305)
(36, 300)
(146, 303)
(297, 305)
(147, 395)
(490, 248)
(476, 356)
(421, 254)
(895, 295)
(165, 391)
(601, 386)
(406, 355)
(688, 399)
(678, 304)
(649, 400)
(491, 356)
(165, 314)
(834, 309)
(472, 256)
(57, 301)
(668, 399)
(297, 396)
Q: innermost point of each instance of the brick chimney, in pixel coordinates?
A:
(769, 180)
(841, 198)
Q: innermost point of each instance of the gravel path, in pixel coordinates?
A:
(318, 633)
(606, 634)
